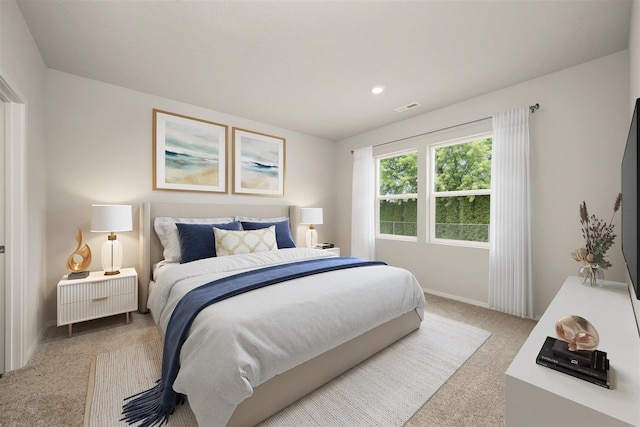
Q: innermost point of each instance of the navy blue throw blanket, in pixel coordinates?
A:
(154, 406)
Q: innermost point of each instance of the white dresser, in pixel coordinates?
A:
(539, 396)
(97, 296)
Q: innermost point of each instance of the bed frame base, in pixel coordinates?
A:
(286, 388)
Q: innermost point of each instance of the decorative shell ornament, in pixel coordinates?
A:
(84, 252)
(578, 333)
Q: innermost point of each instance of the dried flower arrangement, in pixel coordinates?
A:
(599, 237)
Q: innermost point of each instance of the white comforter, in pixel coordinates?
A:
(239, 343)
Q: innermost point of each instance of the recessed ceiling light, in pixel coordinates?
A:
(377, 90)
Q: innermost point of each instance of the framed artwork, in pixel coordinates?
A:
(258, 163)
(189, 154)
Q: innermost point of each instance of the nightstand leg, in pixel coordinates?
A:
(127, 317)
(69, 330)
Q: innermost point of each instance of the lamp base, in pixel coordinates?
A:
(312, 238)
(111, 257)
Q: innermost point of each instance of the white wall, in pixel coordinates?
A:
(22, 65)
(578, 138)
(634, 55)
(634, 84)
(99, 150)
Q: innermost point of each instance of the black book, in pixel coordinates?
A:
(594, 360)
(593, 380)
(599, 374)
(591, 359)
(594, 363)
(583, 358)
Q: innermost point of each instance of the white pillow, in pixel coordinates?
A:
(167, 231)
(231, 242)
(252, 219)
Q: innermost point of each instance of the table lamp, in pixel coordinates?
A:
(311, 216)
(111, 218)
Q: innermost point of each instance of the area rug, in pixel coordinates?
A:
(384, 390)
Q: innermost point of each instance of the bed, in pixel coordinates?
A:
(310, 330)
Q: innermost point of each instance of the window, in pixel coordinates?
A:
(459, 202)
(397, 196)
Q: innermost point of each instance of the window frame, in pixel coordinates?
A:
(432, 194)
(379, 198)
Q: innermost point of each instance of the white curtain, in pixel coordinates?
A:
(510, 278)
(362, 216)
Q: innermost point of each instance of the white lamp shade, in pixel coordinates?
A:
(310, 215)
(111, 218)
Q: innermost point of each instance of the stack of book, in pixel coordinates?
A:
(592, 366)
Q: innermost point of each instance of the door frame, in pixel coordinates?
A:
(15, 223)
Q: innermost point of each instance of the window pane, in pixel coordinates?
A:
(464, 166)
(399, 217)
(463, 218)
(399, 175)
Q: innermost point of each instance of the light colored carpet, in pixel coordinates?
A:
(473, 396)
(383, 390)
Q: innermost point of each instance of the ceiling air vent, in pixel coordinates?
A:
(407, 107)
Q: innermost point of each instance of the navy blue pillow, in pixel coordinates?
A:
(197, 240)
(283, 233)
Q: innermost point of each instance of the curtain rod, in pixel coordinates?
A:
(532, 109)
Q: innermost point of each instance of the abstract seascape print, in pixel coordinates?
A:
(191, 155)
(260, 164)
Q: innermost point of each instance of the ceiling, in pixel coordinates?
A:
(309, 66)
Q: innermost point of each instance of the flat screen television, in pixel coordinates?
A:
(630, 200)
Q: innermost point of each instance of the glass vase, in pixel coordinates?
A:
(592, 276)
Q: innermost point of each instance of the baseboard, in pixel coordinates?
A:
(456, 298)
(28, 352)
(467, 301)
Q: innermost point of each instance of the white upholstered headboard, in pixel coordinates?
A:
(151, 249)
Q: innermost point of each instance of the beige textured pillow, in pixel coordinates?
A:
(231, 242)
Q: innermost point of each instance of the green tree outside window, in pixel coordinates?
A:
(398, 192)
(462, 168)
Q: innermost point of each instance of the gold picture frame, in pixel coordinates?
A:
(189, 154)
(259, 163)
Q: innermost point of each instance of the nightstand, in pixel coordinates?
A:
(97, 296)
(333, 250)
